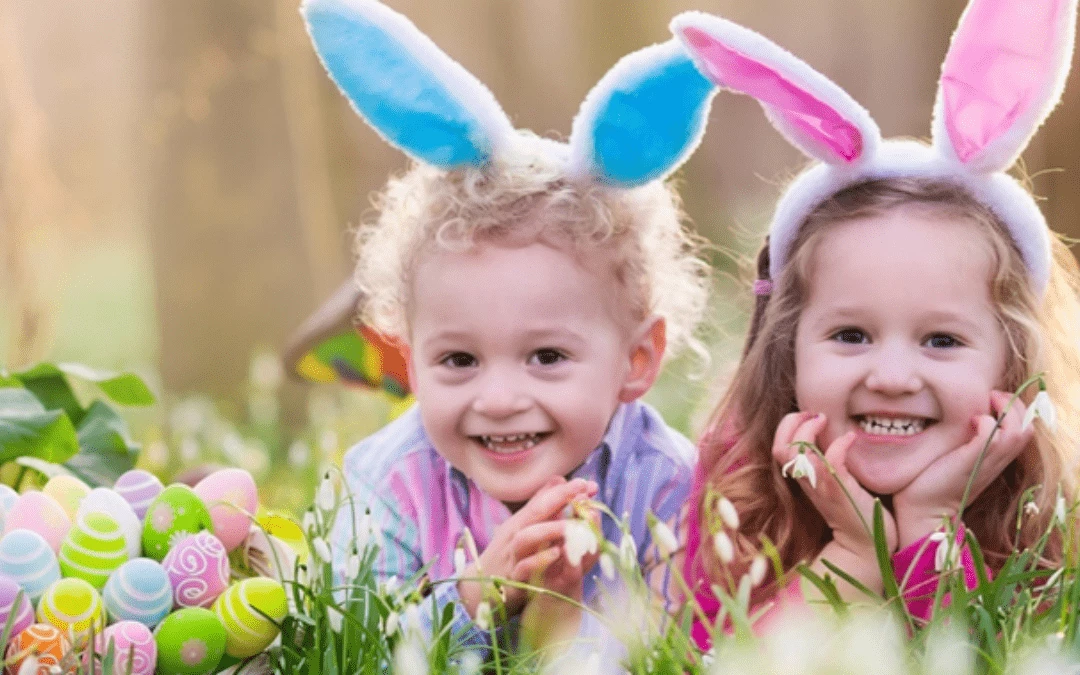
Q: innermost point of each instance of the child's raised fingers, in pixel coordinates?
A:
(786, 431)
(528, 569)
(548, 502)
(531, 538)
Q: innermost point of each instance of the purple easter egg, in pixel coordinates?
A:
(139, 488)
(130, 638)
(24, 613)
(198, 567)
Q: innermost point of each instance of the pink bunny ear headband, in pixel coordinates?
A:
(1004, 73)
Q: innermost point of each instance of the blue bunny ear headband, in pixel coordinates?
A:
(640, 122)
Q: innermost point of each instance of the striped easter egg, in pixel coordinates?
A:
(23, 611)
(139, 590)
(129, 638)
(29, 561)
(198, 567)
(46, 640)
(139, 488)
(247, 632)
(94, 547)
(72, 605)
(108, 501)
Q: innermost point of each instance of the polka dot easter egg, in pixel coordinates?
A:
(189, 641)
(29, 561)
(247, 632)
(94, 547)
(198, 568)
(68, 491)
(72, 605)
(138, 591)
(175, 512)
(41, 513)
(129, 641)
(231, 496)
(23, 611)
(138, 488)
(104, 500)
(46, 640)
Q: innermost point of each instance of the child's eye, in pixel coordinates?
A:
(942, 341)
(547, 357)
(851, 336)
(459, 360)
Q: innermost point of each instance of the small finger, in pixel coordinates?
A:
(806, 433)
(530, 539)
(548, 503)
(785, 434)
(533, 566)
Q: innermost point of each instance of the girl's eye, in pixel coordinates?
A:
(851, 336)
(459, 360)
(547, 357)
(942, 341)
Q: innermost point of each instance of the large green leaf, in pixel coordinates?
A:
(8, 380)
(123, 388)
(27, 428)
(50, 386)
(106, 449)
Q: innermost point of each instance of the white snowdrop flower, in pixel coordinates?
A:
(391, 585)
(470, 546)
(390, 626)
(322, 549)
(800, 467)
(335, 618)
(627, 551)
(725, 549)
(1043, 408)
(948, 653)
(728, 513)
(948, 552)
(410, 658)
(1031, 509)
(758, 569)
(664, 538)
(607, 566)
(580, 540)
(326, 497)
(352, 566)
(470, 664)
(1060, 510)
(483, 616)
(309, 523)
(459, 562)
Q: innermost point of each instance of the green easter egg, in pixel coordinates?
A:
(174, 513)
(247, 632)
(93, 548)
(189, 641)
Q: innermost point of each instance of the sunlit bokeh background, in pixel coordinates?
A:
(178, 181)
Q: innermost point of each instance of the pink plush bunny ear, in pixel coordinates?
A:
(811, 111)
(1004, 73)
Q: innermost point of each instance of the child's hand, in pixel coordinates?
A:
(935, 493)
(852, 547)
(526, 544)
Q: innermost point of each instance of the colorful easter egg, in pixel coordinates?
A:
(23, 611)
(198, 568)
(129, 641)
(138, 591)
(104, 500)
(269, 556)
(72, 605)
(247, 632)
(94, 547)
(41, 513)
(232, 498)
(47, 641)
(190, 641)
(68, 491)
(29, 561)
(175, 512)
(139, 488)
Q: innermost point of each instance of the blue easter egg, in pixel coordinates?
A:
(139, 590)
(28, 559)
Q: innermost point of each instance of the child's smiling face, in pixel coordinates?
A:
(519, 357)
(899, 341)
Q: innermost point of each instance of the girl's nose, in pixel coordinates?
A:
(501, 395)
(894, 372)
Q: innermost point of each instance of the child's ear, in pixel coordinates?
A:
(646, 355)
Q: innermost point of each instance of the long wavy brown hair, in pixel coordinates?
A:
(1044, 337)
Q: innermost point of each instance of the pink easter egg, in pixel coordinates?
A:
(139, 488)
(38, 512)
(198, 567)
(129, 638)
(24, 612)
(231, 496)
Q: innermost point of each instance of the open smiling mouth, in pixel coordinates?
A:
(511, 443)
(893, 426)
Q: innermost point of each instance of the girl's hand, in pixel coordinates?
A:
(936, 492)
(852, 547)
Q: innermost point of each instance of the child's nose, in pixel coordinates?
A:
(893, 372)
(501, 395)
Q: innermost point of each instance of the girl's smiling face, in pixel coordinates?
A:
(899, 340)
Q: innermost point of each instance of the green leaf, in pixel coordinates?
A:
(106, 449)
(52, 389)
(123, 388)
(27, 428)
(8, 380)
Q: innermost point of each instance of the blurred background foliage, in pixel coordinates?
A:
(178, 181)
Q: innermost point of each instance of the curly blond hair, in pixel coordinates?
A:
(525, 195)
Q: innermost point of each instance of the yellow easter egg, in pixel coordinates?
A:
(68, 491)
(72, 604)
(247, 632)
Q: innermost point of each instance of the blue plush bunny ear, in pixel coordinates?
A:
(643, 119)
(413, 94)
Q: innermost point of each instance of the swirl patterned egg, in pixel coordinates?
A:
(175, 512)
(247, 632)
(107, 501)
(198, 568)
(45, 639)
(139, 488)
(129, 638)
(72, 605)
(68, 491)
(24, 612)
(189, 641)
(94, 547)
(41, 513)
(29, 561)
(139, 590)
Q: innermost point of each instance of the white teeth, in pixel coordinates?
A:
(892, 426)
(517, 442)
